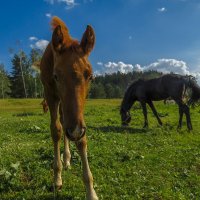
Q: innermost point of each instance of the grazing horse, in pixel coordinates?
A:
(171, 86)
(65, 74)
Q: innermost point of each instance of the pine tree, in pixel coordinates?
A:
(18, 74)
(36, 55)
(109, 90)
(97, 91)
(4, 83)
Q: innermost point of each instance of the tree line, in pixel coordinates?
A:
(114, 85)
(24, 82)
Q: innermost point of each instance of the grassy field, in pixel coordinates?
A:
(127, 163)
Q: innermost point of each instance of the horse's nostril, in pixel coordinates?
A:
(69, 131)
(75, 134)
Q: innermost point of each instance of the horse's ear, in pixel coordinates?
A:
(88, 40)
(57, 39)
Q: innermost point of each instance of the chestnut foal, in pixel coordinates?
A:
(65, 74)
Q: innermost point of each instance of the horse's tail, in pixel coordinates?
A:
(195, 92)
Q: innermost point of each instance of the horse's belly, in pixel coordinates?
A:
(159, 97)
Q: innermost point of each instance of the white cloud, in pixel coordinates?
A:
(40, 44)
(112, 67)
(120, 66)
(99, 63)
(48, 15)
(169, 65)
(69, 3)
(32, 38)
(163, 9)
(162, 65)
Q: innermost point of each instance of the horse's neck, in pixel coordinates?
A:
(127, 103)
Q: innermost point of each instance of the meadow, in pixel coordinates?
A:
(127, 163)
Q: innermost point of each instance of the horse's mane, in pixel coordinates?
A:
(129, 91)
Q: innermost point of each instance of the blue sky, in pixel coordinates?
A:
(130, 34)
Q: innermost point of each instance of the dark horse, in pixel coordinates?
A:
(172, 86)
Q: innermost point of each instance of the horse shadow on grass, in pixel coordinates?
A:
(57, 197)
(119, 129)
(27, 114)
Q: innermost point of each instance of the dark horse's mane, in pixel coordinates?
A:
(184, 90)
(130, 89)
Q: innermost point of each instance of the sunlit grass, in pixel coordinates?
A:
(127, 163)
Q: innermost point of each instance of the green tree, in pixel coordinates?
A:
(4, 83)
(109, 90)
(19, 75)
(97, 91)
(118, 92)
(36, 55)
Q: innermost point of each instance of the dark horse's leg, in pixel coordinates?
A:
(180, 116)
(187, 113)
(154, 112)
(184, 109)
(144, 109)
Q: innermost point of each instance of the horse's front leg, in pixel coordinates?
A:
(87, 175)
(144, 109)
(66, 154)
(56, 133)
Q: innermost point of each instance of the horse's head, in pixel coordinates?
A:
(125, 117)
(72, 73)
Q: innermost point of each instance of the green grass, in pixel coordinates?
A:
(127, 163)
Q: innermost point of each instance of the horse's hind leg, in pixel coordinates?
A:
(66, 154)
(155, 112)
(144, 109)
(188, 119)
(184, 109)
(180, 107)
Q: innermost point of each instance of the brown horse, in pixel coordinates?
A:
(65, 74)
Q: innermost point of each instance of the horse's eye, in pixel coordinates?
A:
(87, 75)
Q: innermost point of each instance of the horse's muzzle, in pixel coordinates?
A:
(76, 134)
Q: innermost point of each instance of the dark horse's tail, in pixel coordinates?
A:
(195, 92)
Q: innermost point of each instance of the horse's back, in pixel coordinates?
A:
(156, 90)
(173, 84)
